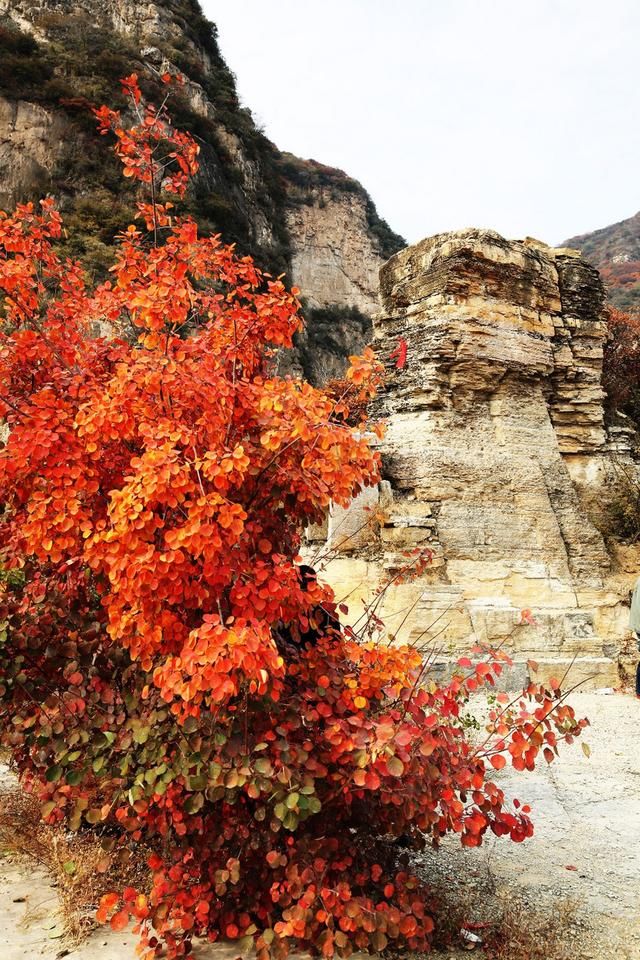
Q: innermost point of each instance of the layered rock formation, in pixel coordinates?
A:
(312, 222)
(495, 439)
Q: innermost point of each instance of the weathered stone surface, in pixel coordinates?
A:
(30, 143)
(335, 258)
(497, 410)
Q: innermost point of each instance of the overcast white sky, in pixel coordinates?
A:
(520, 115)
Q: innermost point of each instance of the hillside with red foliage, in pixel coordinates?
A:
(615, 251)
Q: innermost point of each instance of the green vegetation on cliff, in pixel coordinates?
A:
(80, 63)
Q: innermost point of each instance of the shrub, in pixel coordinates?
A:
(621, 363)
(23, 67)
(618, 515)
(169, 676)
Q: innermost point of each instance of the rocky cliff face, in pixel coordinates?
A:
(334, 259)
(495, 441)
(31, 138)
(312, 222)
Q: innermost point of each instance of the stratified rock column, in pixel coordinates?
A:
(501, 387)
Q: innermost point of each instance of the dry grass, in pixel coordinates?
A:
(521, 933)
(509, 928)
(80, 870)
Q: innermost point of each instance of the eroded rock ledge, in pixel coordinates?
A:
(495, 440)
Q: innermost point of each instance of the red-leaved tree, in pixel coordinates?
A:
(169, 675)
(621, 362)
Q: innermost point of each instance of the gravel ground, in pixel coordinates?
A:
(586, 845)
(586, 849)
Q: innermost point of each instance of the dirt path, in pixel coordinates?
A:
(586, 845)
(586, 848)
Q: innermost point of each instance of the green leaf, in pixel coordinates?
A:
(69, 867)
(292, 800)
(194, 803)
(379, 941)
(53, 773)
(214, 794)
(395, 766)
(134, 793)
(361, 758)
(290, 822)
(199, 782)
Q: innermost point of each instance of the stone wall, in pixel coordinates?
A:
(495, 440)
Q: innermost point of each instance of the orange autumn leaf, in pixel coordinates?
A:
(119, 921)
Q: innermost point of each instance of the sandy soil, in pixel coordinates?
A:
(586, 845)
(586, 849)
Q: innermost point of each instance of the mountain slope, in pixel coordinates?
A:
(311, 222)
(615, 251)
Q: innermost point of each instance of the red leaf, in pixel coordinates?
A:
(119, 921)
(400, 354)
